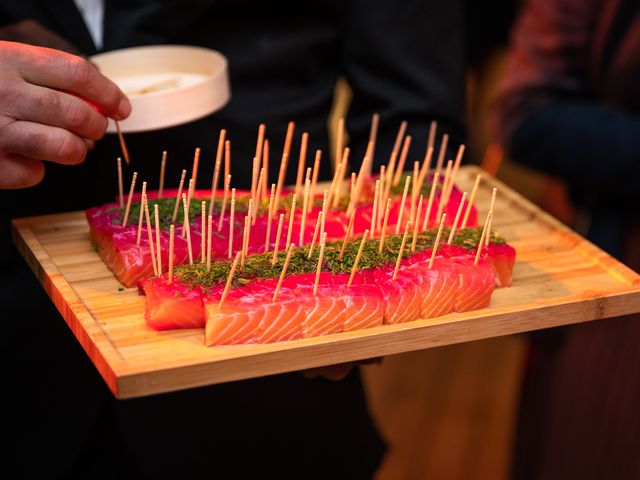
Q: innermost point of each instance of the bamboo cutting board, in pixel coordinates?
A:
(559, 279)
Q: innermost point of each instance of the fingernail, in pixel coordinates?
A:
(124, 109)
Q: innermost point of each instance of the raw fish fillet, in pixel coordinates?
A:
(172, 306)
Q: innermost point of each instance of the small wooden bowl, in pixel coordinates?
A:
(167, 85)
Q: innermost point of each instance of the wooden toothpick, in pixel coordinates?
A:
(270, 217)
(129, 199)
(315, 235)
(257, 160)
(284, 162)
(120, 184)
(284, 271)
(227, 285)
(227, 184)
(432, 194)
(403, 159)
(180, 187)
(227, 158)
(143, 200)
(358, 187)
(156, 215)
(123, 144)
(401, 251)
(319, 267)
(305, 206)
(314, 177)
(216, 169)
(163, 166)
(203, 230)
(424, 169)
(187, 227)
(373, 135)
(334, 181)
(209, 240)
(260, 141)
(194, 173)
(256, 203)
(252, 203)
(454, 173)
(431, 139)
(482, 237)
(291, 126)
(443, 192)
(452, 234)
(398, 142)
(491, 205)
(352, 187)
(150, 238)
(472, 198)
(171, 242)
(231, 219)
(339, 141)
(278, 235)
(247, 222)
(254, 181)
(383, 235)
(416, 224)
(442, 152)
(325, 209)
(414, 190)
(190, 190)
(456, 164)
(404, 200)
(374, 209)
(265, 165)
(391, 169)
(281, 177)
(337, 193)
(302, 160)
(358, 255)
(437, 242)
(347, 234)
(247, 232)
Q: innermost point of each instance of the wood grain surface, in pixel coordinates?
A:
(559, 279)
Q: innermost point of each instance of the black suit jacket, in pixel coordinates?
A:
(402, 59)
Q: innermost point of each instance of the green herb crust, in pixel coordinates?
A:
(259, 266)
(167, 205)
(425, 190)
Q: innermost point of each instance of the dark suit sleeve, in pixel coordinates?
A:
(590, 144)
(547, 115)
(404, 60)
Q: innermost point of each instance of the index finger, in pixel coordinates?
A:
(63, 71)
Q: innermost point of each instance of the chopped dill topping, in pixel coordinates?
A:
(425, 190)
(166, 206)
(259, 266)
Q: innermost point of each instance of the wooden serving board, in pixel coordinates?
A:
(559, 279)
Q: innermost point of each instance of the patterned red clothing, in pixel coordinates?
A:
(568, 104)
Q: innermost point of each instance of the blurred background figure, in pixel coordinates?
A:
(285, 60)
(568, 105)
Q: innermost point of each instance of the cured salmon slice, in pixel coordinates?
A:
(502, 259)
(324, 313)
(439, 288)
(237, 321)
(401, 297)
(475, 285)
(364, 307)
(282, 320)
(172, 306)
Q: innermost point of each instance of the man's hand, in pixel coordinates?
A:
(43, 112)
